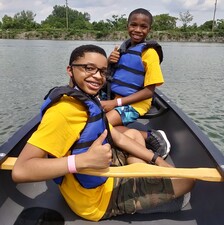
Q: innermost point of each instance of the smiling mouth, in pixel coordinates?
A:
(94, 85)
(137, 36)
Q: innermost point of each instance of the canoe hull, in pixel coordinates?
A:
(190, 148)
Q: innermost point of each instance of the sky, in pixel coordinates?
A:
(201, 10)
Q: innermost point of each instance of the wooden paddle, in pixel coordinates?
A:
(143, 170)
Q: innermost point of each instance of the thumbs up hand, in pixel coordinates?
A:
(114, 55)
(98, 156)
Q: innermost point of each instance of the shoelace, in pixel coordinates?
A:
(155, 142)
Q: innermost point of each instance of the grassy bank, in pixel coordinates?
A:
(173, 36)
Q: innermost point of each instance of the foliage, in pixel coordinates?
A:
(220, 25)
(117, 23)
(164, 22)
(207, 26)
(185, 18)
(66, 23)
(101, 26)
(57, 19)
(22, 20)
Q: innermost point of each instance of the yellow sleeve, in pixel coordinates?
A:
(60, 128)
(153, 70)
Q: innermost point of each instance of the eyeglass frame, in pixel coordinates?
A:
(103, 72)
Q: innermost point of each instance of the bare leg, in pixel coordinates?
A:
(135, 135)
(114, 118)
(122, 129)
(182, 186)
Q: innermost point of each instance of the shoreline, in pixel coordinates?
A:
(172, 36)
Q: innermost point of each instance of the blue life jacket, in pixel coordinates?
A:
(129, 72)
(94, 127)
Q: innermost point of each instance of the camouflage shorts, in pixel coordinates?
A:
(132, 195)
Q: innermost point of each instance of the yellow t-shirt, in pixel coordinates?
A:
(153, 75)
(59, 129)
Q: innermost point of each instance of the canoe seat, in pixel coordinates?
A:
(157, 109)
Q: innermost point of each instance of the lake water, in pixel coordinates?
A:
(193, 73)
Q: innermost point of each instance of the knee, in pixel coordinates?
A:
(182, 186)
(135, 134)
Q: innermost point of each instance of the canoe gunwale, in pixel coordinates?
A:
(9, 146)
(215, 154)
(206, 198)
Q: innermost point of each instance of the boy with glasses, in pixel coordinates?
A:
(74, 134)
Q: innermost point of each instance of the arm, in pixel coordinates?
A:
(141, 95)
(33, 164)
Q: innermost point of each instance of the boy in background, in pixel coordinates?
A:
(136, 73)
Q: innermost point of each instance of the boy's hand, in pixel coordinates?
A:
(98, 155)
(114, 56)
(108, 105)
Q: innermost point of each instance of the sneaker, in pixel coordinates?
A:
(158, 142)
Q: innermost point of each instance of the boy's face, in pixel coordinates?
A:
(89, 72)
(138, 28)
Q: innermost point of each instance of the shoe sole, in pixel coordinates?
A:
(186, 200)
(167, 143)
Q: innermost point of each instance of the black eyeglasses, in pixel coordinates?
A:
(92, 69)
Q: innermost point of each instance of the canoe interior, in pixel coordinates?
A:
(190, 148)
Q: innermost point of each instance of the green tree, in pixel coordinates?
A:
(185, 18)
(164, 22)
(7, 22)
(101, 26)
(220, 25)
(57, 19)
(207, 26)
(21, 20)
(25, 20)
(76, 20)
(118, 23)
(193, 28)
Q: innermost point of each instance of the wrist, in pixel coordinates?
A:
(83, 161)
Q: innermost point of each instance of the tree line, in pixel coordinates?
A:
(70, 20)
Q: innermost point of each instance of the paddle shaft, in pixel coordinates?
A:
(143, 170)
(147, 170)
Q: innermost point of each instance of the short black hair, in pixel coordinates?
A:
(141, 11)
(81, 50)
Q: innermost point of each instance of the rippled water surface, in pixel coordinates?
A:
(193, 73)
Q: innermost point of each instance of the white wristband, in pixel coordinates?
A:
(71, 164)
(119, 102)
